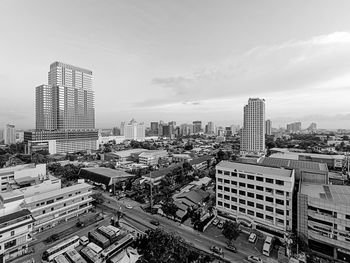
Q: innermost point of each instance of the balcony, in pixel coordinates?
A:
(326, 239)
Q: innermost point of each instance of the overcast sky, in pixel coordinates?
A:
(182, 60)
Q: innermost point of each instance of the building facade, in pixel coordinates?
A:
(324, 219)
(268, 127)
(9, 134)
(294, 127)
(197, 127)
(256, 196)
(152, 157)
(134, 131)
(253, 132)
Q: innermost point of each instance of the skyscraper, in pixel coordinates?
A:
(294, 127)
(65, 112)
(210, 128)
(154, 128)
(9, 134)
(197, 127)
(134, 131)
(268, 127)
(253, 133)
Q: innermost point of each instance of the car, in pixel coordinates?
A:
(252, 238)
(216, 221)
(221, 224)
(254, 259)
(217, 250)
(232, 248)
(155, 222)
(128, 206)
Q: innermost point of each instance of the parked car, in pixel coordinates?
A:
(221, 224)
(128, 206)
(231, 248)
(216, 221)
(155, 222)
(217, 250)
(254, 259)
(252, 238)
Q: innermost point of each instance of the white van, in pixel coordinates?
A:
(84, 240)
(267, 246)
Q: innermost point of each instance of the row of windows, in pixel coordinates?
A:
(57, 199)
(251, 177)
(59, 207)
(250, 212)
(251, 186)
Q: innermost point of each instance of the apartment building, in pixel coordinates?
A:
(15, 233)
(324, 219)
(152, 157)
(256, 196)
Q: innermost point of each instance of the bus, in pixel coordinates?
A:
(99, 239)
(113, 228)
(94, 247)
(110, 234)
(60, 248)
(117, 247)
(61, 259)
(90, 255)
(74, 256)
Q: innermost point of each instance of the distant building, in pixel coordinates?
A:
(253, 133)
(210, 128)
(9, 134)
(154, 128)
(116, 131)
(134, 131)
(122, 128)
(312, 128)
(197, 127)
(228, 132)
(186, 129)
(235, 129)
(19, 136)
(268, 127)
(1, 135)
(152, 157)
(166, 130)
(294, 127)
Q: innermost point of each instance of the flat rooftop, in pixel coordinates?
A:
(333, 193)
(292, 164)
(108, 172)
(256, 169)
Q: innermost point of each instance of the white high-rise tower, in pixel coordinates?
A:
(253, 132)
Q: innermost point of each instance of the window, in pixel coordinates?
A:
(233, 182)
(250, 177)
(279, 211)
(226, 173)
(226, 189)
(251, 203)
(250, 186)
(279, 201)
(260, 188)
(226, 181)
(242, 184)
(260, 179)
(279, 182)
(242, 201)
(43, 211)
(267, 217)
(347, 216)
(260, 197)
(219, 203)
(242, 192)
(219, 187)
(219, 195)
(59, 198)
(226, 205)
(269, 208)
(234, 199)
(279, 192)
(37, 204)
(242, 210)
(220, 180)
(259, 206)
(219, 171)
(233, 207)
(250, 212)
(52, 208)
(12, 233)
(234, 173)
(10, 244)
(260, 215)
(280, 221)
(242, 176)
(233, 190)
(269, 180)
(269, 199)
(226, 197)
(269, 190)
(251, 195)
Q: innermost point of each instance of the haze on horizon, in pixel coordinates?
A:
(182, 60)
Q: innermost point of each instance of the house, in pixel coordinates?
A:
(202, 163)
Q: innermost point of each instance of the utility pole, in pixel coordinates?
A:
(151, 186)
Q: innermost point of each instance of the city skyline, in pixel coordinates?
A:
(156, 61)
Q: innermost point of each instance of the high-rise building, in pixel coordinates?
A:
(312, 127)
(154, 128)
(122, 128)
(235, 129)
(65, 106)
(210, 128)
(294, 127)
(253, 133)
(134, 131)
(10, 134)
(268, 127)
(197, 127)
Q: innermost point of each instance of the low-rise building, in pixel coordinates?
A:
(202, 162)
(324, 219)
(256, 196)
(152, 157)
(179, 158)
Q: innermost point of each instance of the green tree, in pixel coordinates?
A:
(230, 230)
(170, 209)
(98, 198)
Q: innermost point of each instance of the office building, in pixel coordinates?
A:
(65, 105)
(1, 135)
(154, 128)
(228, 132)
(235, 129)
(134, 131)
(256, 196)
(324, 219)
(210, 128)
(197, 127)
(294, 127)
(253, 132)
(9, 134)
(312, 128)
(166, 130)
(152, 157)
(19, 136)
(268, 127)
(186, 129)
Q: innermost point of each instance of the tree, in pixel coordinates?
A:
(188, 147)
(98, 198)
(170, 209)
(230, 230)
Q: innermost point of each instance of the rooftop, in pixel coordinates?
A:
(201, 159)
(127, 153)
(292, 164)
(333, 193)
(15, 215)
(256, 169)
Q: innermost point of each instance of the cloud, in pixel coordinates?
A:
(319, 63)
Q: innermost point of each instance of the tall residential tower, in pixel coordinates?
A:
(253, 132)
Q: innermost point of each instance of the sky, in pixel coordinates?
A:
(182, 60)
